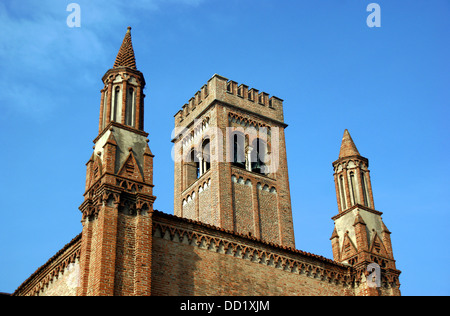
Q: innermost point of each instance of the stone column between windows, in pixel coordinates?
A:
(200, 164)
(248, 164)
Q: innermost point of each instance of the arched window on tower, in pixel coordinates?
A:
(342, 192)
(238, 150)
(353, 187)
(115, 104)
(206, 156)
(259, 156)
(131, 107)
(364, 189)
(191, 168)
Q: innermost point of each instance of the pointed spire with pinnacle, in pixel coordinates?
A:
(348, 147)
(125, 57)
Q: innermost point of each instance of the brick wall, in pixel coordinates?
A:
(125, 255)
(242, 206)
(194, 259)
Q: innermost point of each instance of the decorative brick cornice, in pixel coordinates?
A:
(245, 121)
(220, 240)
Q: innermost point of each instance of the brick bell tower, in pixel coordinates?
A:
(230, 162)
(360, 237)
(118, 199)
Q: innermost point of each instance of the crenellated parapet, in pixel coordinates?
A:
(231, 93)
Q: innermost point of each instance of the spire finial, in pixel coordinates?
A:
(125, 57)
(348, 147)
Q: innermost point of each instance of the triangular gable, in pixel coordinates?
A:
(377, 247)
(130, 169)
(348, 248)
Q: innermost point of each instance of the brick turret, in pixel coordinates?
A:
(118, 202)
(360, 237)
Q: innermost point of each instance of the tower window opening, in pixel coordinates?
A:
(131, 108)
(115, 107)
(364, 189)
(341, 190)
(258, 161)
(238, 150)
(352, 187)
(206, 156)
(191, 167)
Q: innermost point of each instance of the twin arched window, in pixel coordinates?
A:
(254, 158)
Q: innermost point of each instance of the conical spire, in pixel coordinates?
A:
(125, 57)
(348, 147)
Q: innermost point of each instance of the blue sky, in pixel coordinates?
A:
(389, 86)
